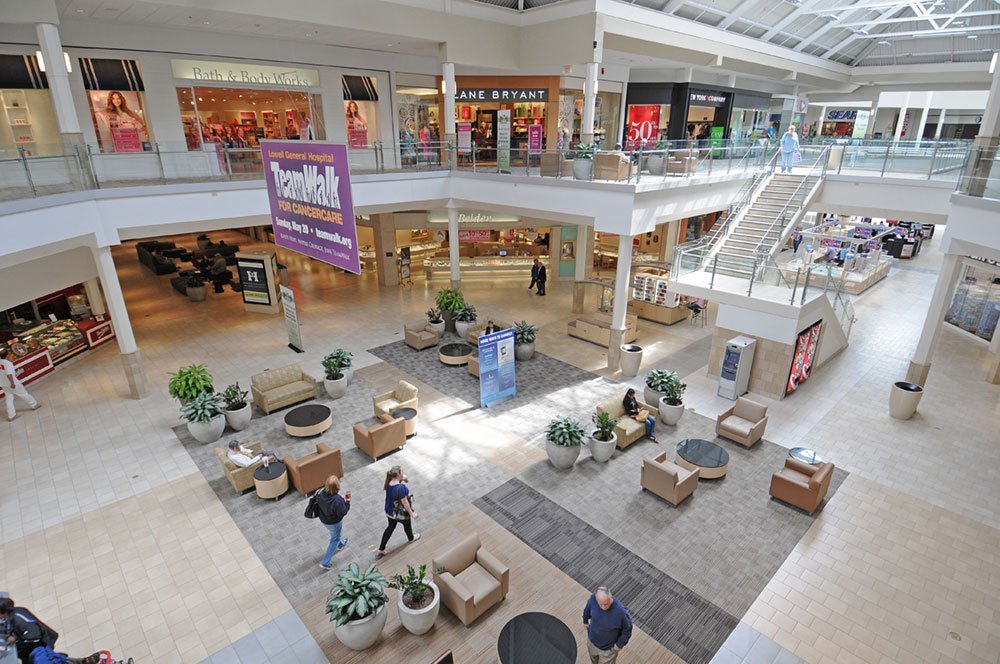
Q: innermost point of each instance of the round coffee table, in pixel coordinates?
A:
(711, 459)
(410, 417)
(271, 482)
(536, 638)
(309, 420)
(805, 456)
(455, 354)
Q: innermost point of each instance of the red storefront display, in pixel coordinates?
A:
(805, 354)
(643, 126)
(96, 332)
(32, 366)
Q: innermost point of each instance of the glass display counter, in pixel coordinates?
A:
(975, 307)
(858, 273)
(653, 300)
(63, 339)
(486, 266)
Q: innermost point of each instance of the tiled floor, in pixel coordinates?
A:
(109, 532)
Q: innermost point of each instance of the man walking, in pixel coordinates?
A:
(534, 274)
(789, 146)
(609, 627)
(12, 386)
(541, 277)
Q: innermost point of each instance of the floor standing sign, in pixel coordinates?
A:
(291, 319)
(503, 141)
(496, 366)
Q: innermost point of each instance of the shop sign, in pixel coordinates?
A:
(291, 318)
(464, 130)
(309, 192)
(503, 141)
(843, 116)
(502, 94)
(496, 367)
(238, 72)
(709, 98)
(476, 235)
(253, 279)
(32, 366)
(534, 139)
(643, 125)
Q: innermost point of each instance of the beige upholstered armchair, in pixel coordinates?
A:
(310, 472)
(404, 396)
(241, 478)
(628, 430)
(380, 438)
(801, 484)
(684, 162)
(611, 166)
(744, 423)
(668, 480)
(419, 336)
(284, 386)
(470, 579)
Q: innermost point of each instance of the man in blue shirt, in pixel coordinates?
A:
(609, 627)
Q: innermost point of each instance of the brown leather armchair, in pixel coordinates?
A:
(380, 438)
(310, 472)
(241, 478)
(802, 485)
(744, 423)
(418, 336)
(668, 480)
(470, 579)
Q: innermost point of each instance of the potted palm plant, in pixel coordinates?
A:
(195, 288)
(524, 340)
(603, 439)
(205, 418)
(190, 381)
(238, 411)
(357, 606)
(671, 404)
(346, 359)
(435, 321)
(419, 600)
(583, 161)
(562, 441)
(334, 380)
(464, 318)
(449, 300)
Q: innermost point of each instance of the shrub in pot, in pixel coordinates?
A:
(205, 418)
(345, 359)
(449, 300)
(583, 161)
(357, 606)
(435, 321)
(563, 440)
(419, 599)
(195, 288)
(671, 404)
(524, 340)
(334, 380)
(603, 439)
(464, 318)
(657, 162)
(238, 411)
(190, 381)
(657, 382)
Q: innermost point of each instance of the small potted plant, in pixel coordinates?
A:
(195, 288)
(563, 440)
(671, 404)
(657, 161)
(435, 321)
(346, 359)
(603, 439)
(524, 340)
(190, 381)
(656, 385)
(357, 606)
(238, 411)
(583, 161)
(419, 600)
(464, 318)
(205, 418)
(334, 381)
(449, 300)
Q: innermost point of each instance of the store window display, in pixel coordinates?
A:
(418, 122)
(361, 111)
(119, 120)
(975, 307)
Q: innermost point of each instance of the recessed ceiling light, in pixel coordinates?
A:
(79, 11)
(972, 36)
(883, 42)
(204, 22)
(390, 44)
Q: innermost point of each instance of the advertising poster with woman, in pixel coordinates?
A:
(357, 125)
(119, 120)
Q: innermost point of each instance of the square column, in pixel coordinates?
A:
(584, 264)
(589, 104)
(448, 78)
(623, 273)
(384, 230)
(456, 277)
(131, 360)
(555, 253)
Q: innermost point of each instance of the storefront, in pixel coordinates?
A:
(975, 307)
(116, 98)
(29, 122)
(418, 116)
(531, 100)
(607, 105)
(839, 122)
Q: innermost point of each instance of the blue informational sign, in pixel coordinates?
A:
(496, 367)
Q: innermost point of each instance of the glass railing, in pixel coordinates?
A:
(925, 161)
(980, 175)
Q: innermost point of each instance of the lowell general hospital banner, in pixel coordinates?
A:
(309, 190)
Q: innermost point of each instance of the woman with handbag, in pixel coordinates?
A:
(631, 406)
(332, 509)
(398, 507)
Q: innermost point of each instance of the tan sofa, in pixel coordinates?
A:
(418, 335)
(668, 480)
(310, 472)
(380, 438)
(744, 423)
(683, 162)
(476, 329)
(404, 396)
(628, 430)
(277, 388)
(802, 485)
(470, 579)
(241, 478)
(612, 166)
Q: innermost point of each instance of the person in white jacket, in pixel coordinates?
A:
(12, 387)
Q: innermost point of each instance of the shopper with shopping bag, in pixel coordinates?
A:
(789, 147)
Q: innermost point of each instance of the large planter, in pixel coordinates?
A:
(419, 621)
(650, 395)
(657, 164)
(524, 352)
(561, 456)
(583, 169)
(670, 414)
(208, 432)
(238, 420)
(601, 450)
(462, 329)
(196, 293)
(449, 320)
(903, 399)
(631, 359)
(362, 634)
(348, 373)
(438, 327)
(337, 387)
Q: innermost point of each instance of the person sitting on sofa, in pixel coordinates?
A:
(160, 259)
(490, 328)
(631, 406)
(245, 457)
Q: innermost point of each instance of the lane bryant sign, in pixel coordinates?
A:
(502, 94)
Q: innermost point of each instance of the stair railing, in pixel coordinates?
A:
(743, 198)
(787, 214)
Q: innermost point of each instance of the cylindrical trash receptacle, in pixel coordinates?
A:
(631, 359)
(903, 399)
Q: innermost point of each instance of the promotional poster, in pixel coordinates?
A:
(643, 125)
(496, 367)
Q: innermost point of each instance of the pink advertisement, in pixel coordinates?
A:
(464, 130)
(476, 235)
(534, 139)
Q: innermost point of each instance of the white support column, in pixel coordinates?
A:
(940, 126)
(448, 76)
(131, 361)
(944, 291)
(923, 120)
(822, 119)
(384, 230)
(589, 104)
(456, 277)
(623, 273)
(58, 77)
(94, 296)
(871, 123)
(985, 146)
(584, 260)
(901, 120)
(555, 242)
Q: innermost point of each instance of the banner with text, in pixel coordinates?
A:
(496, 367)
(535, 139)
(474, 235)
(309, 189)
(503, 141)
(291, 318)
(643, 126)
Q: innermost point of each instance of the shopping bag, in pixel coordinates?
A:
(796, 157)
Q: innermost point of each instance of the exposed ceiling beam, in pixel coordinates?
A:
(792, 15)
(908, 19)
(950, 32)
(884, 4)
(670, 6)
(814, 37)
(885, 13)
(736, 13)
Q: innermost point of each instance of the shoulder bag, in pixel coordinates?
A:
(399, 512)
(312, 507)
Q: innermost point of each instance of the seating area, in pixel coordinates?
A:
(145, 252)
(240, 478)
(471, 579)
(628, 430)
(419, 335)
(613, 166)
(476, 329)
(277, 388)
(308, 473)
(668, 480)
(404, 396)
(744, 423)
(802, 485)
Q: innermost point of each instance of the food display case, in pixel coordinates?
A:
(63, 339)
(484, 266)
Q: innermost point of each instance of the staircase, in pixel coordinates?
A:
(757, 228)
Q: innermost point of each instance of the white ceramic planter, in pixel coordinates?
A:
(903, 399)
(562, 456)
(238, 420)
(419, 621)
(196, 293)
(362, 634)
(336, 388)
(670, 414)
(524, 352)
(437, 327)
(462, 329)
(208, 432)
(348, 374)
(583, 169)
(601, 450)
(657, 164)
(631, 359)
(650, 396)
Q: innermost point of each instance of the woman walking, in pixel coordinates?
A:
(332, 509)
(398, 507)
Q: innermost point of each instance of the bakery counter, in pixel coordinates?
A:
(31, 366)
(485, 266)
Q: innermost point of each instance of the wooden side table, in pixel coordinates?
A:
(271, 482)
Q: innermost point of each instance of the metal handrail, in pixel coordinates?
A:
(781, 216)
(736, 208)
